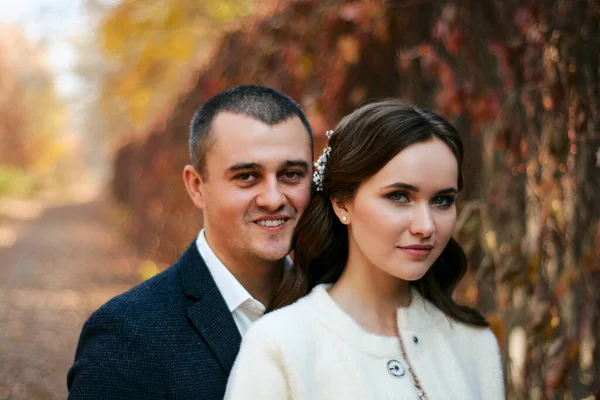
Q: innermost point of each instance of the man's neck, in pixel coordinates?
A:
(260, 278)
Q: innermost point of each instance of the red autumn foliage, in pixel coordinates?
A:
(519, 78)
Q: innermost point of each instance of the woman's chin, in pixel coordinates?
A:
(410, 275)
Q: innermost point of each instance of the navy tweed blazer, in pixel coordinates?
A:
(171, 337)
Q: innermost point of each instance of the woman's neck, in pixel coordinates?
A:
(371, 297)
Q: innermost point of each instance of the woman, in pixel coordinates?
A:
(375, 250)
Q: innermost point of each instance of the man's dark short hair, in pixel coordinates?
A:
(259, 102)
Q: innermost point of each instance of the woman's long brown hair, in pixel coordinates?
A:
(362, 144)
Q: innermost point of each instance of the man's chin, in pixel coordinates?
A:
(273, 253)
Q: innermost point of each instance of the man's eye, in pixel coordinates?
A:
(245, 177)
(292, 175)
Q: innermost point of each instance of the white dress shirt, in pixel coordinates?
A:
(244, 308)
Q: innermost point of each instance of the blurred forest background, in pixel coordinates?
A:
(91, 196)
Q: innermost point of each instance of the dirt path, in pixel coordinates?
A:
(62, 266)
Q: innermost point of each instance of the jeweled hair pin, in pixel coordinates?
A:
(321, 164)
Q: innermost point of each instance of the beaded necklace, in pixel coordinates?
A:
(416, 382)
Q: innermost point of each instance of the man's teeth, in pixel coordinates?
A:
(270, 222)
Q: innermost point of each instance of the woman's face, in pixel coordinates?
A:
(402, 217)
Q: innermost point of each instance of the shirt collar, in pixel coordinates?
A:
(232, 291)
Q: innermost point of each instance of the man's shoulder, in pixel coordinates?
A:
(122, 345)
(143, 301)
(161, 297)
(146, 294)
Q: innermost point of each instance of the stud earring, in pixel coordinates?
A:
(344, 218)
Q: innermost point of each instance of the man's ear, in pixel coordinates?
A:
(194, 185)
(341, 210)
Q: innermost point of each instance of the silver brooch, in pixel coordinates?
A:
(396, 368)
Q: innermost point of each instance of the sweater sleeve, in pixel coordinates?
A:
(259, 371)
(493, 377)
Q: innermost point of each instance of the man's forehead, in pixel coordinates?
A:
(250, 135)
(237, 123)
(242, 140)
(224, 118)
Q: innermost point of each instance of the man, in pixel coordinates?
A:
(176, 335)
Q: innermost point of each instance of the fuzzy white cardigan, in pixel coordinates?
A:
(314, 350)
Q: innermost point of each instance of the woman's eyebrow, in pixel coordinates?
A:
(447, 191)
(400, 185)
(413, 188)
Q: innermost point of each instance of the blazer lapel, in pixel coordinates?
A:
(209, 312)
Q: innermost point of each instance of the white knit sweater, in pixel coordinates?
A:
(314, 350)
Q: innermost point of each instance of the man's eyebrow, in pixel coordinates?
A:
(244, 166)
(295, 163)
(251, 165)
(412, 188)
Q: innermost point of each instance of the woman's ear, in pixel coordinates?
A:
(341, 211)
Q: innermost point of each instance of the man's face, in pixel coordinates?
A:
(258, 180)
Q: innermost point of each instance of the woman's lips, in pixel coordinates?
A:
(417, 250)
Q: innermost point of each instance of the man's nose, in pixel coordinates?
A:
(271, 196)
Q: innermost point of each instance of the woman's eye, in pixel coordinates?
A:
(398, 197)
(445, 201)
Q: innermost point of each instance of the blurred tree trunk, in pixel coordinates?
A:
(539, 219)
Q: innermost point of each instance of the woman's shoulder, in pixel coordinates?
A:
(470, 338)
(430, 316)
(481, 347)
(288, 321)
(477, 343)
(476, 335)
